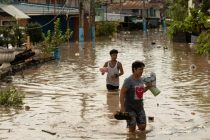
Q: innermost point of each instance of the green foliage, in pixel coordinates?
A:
(193, 23)
(205, 6)
(11, 97)
(52, 40)
(177, 26)
(203, 44)
(57, 37)
(106, 28)
(34, 30)
(196, 21)
(68, 34)
(11, 34)
(46, 45)
(177, 9)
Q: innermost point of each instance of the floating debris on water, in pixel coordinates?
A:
(193, 67)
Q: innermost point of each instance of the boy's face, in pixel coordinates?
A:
(138, 71)
(114, 56)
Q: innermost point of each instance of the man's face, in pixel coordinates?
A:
(114, 56)
(139, 71)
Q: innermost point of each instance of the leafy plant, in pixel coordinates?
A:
(196, 21)
(46, 45)
(176, 9)
(106, 28)
(52, 39)
(34, 30)
(177, 26)
(203, 44)
(193, 23)
(205, 6)
(57, 37)
(11, 34)
(11, 97)
(68, 34)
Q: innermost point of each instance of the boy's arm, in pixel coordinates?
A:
(120, 69)
(105, 64)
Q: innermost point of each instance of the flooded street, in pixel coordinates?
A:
(69, 97)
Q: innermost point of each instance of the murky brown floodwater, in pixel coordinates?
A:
(69, 97)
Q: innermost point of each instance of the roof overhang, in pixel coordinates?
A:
(13, 11)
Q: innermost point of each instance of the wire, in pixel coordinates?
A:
(50, 20)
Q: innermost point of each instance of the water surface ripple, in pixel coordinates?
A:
(69, 96)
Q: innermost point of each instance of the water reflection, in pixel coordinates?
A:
(69, 96)
(113, 104)
(138, 136)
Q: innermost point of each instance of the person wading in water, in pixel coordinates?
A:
(114, 71)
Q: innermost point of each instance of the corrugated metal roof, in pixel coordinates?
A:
(44, 9)
(134, 5)
(13, 11)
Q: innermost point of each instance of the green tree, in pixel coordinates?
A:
(34, 30)
(177, 9)
(57, 37)
(205, 6)
(11, 34)
(46, 45)
(52, 39)
(106, 28)
(203, 43)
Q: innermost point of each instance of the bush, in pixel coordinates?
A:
(106, 28)
(34, 30)
(193, 23)
(11, 97)
(203, 43)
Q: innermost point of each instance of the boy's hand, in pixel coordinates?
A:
(114, 76)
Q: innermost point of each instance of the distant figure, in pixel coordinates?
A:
(131, 97)
(114, 70)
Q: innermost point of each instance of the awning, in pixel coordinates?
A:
(13, 11)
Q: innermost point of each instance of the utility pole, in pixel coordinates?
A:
(92, 21)
(106, 3)
(81, 21)
(54, 7)
(144, 17)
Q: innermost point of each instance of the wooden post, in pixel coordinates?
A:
(28, 45)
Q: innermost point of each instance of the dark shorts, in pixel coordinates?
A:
(111, 87)
(137, 118)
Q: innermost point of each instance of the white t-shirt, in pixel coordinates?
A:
(112, 71)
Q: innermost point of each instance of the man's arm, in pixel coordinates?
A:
(148, 86)
(122, 98)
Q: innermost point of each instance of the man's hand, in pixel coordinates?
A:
(122, 109)
(148, 86)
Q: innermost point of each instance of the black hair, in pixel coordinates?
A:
(137, 64)
(113, 51)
